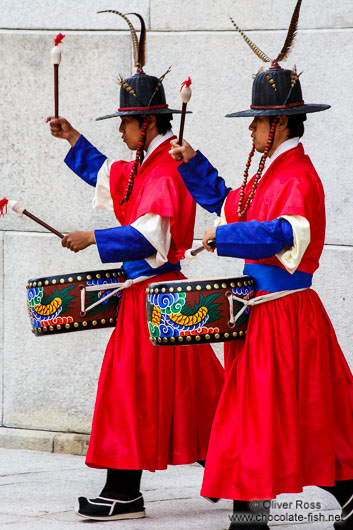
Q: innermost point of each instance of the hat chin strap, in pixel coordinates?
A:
(138, 159)
(243, 208)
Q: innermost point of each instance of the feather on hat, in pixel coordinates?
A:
(140, 94)
(277, 90)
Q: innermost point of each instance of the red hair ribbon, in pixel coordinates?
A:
(180, 254)
(185, 83)
(58, 38)
(3, 206)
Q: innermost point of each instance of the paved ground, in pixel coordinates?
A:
(38, 491)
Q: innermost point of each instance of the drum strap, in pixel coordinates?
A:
(256, 301)
(118, 287)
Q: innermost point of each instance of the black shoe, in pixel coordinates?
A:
(260, 526)
(250, 515)
(212, 499)
(346, 522)
(248, 527)
(104, 509)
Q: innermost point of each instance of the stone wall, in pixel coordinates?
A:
(49, 384)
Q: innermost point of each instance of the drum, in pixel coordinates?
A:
(73, 302)
(196, 312)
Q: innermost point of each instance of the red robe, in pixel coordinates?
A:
(155, 405)
(285, 416)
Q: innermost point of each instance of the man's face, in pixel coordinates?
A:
(260, 128)
(130, 131)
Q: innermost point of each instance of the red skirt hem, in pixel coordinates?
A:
(285, 415)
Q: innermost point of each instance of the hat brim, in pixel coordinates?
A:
(141, 112)
(301, 109)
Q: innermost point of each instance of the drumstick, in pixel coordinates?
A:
(55, 55)
(185, 94)
(191, 253)
(18, 208)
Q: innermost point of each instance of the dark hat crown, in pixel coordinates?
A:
(143, 93)
(140, 93)
(276, 88)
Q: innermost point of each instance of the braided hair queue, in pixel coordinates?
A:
(138, 159)
(243, 208)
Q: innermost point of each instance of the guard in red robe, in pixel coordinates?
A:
(285, 416)
(155, 406)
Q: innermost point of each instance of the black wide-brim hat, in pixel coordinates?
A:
(141, 94)
(276, 92)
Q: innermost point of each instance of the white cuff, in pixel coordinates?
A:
(156, 230)
(222, 219)
(291, 257)
(102, 199)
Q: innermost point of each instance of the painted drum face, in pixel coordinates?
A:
(60, 304)
(196, 312)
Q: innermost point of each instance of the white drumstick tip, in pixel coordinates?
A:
(55, 53)
(185, 94)
(16, 206)
(188, 254)
(185, 91)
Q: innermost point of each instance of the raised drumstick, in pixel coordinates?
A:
(19, 209)
(55, 56)
(185, 94)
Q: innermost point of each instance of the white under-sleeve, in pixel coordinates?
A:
(156, 230)
(102, 199)
(291, 257)
(221, 220)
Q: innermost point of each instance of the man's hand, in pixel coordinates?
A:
(77, 241)
(209, 239)
(184, 152)
(61, 128)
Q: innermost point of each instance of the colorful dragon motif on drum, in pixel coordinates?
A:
(48, 310)
(45, 311)
(170, 316)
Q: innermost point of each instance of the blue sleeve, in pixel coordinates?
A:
(85, 160)
(204, 184)
(254, 239)
(122, 243)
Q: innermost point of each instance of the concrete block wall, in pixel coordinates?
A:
(1, 323)
(49, 384)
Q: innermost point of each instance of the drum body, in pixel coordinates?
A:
(196, 312)
(55, 303)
